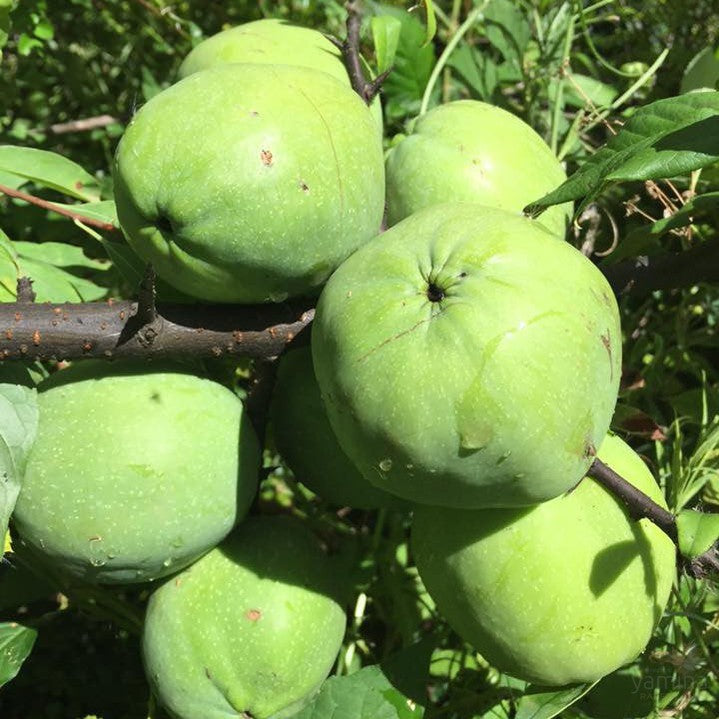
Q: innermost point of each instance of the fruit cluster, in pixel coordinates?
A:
(464, 365)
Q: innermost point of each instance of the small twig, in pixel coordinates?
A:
(24, 292)
(639, 505)
(88, 123)
(257, 404)
(78, 217)
(350, 50)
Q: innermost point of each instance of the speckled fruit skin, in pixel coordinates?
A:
(250, 630)
(135, 472)
(470, 151)
(250, 183)
(307, 443)
(272, 42)
(496, 394)
(566, 591)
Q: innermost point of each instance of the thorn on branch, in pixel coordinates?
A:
(140, 324)
(638, 504)
(350, 49)
(25, 293)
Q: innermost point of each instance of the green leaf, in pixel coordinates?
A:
(413, 63)
(698, 531)
(18, 427)
(663, 139)
(385, 33)
(58, 254)
(702, 71)
(48, 169)
(583, 90)
(431, 22)
(104, 211)
(16, 642)
(366, 694)
(545, 703)
(51, 283)
(507, 28)
(477, 69)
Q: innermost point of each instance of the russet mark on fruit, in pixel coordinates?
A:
(470, 151)
(463, 359)
(250, 183)
(566, 591)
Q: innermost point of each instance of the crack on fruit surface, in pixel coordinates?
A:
(340, 186)
(398, 336)
(606, 341)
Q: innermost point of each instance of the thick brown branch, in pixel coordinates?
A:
(680, 269)
(54, 208)
(109, 330)
(639, 505)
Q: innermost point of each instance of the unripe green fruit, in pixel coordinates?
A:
(250, 630)
(565, 591)
(250, 183)
(135, 471)
(271, 42)
(470, 151)
(307, 443)
(468, 358)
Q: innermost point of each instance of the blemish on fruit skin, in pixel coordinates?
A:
(253, 614)
(606, 341)
(385, 465)
(266, 157)
(304, 187)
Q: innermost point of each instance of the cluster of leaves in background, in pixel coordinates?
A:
(575, 71)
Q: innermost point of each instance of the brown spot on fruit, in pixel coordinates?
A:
(78, 185)
(266, 157)
(607, 342)
(304, 187)
(589, 450)
(253, 614)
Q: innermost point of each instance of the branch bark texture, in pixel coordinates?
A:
(638, 504)
(114, 329)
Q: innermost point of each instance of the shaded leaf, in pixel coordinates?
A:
(16, 642)
(18, 427)
(663, 139)
(366, 694)
(48, 169)
(507, 28)
(635, 421)
(702, 71)
(545, 703)
(697, 531)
